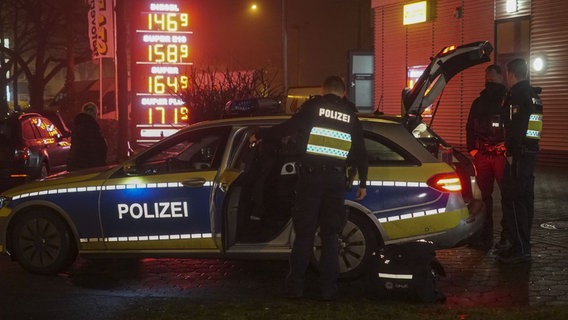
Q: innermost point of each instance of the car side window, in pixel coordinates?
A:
(382, 152)
(243, 154)
(28, 130)
(199, 150)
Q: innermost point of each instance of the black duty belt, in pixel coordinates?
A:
(320, 168)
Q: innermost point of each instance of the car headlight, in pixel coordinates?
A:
(4, 201)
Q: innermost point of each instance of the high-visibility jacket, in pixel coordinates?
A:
(328, 131)
(523, 128)
(534, 128)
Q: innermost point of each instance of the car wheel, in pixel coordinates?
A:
(357, 241)
(42, 243)
(43, 173)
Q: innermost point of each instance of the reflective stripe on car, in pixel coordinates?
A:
(412, 215)
(105, 188)
(149, 238)
(389, 183)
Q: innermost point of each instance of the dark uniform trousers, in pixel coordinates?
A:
(320, 195)
(517, 201)
(490, 166)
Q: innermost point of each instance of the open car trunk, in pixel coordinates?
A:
(443, 66)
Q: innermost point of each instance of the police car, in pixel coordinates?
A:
(205, 192)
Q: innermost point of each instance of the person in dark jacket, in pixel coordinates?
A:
(88, 146)
(485, 143)
(331, 137)
(523, 128)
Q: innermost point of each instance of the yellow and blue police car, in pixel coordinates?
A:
(205, 192)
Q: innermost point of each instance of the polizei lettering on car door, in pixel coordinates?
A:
(156, 210)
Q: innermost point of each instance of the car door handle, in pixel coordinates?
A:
(194, 182)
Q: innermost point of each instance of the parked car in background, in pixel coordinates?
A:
(204, 191)
(56, 118)
(31, 147)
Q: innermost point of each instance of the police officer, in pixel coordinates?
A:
(523, 128)
(331, 136)
(88, 146)
(485, 143)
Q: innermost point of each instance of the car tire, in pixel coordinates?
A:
(43, 172)
(42, 243)
(357, 242)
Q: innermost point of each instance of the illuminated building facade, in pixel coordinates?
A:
(408, 32)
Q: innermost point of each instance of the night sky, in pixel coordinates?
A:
(320, 35)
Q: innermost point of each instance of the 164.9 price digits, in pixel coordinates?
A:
(160, 84)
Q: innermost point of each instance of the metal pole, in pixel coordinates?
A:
(285, 46)
(115, 54)
(100, 86)
(122, 78)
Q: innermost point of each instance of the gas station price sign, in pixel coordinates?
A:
(160, 61)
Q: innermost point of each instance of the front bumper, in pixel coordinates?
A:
(5, 212)
(8, 182)
(3, 231)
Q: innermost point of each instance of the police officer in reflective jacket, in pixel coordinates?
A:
(331, 137)
(485, 143)
(523, 129)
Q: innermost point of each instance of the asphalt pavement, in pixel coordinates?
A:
(107, 288)
(475, 278)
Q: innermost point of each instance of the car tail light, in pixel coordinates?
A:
(445, 182)
(448, 49)
(22, 154)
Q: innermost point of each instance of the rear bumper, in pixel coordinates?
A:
(466, 229)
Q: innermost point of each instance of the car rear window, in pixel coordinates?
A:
(39, 128)
(45, 127)
(379, 153)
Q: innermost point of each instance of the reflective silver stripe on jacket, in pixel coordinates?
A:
(328, 142)
(535, 126)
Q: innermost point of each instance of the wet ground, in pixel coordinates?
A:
(106, 288)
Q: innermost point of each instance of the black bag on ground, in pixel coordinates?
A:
(407, 271)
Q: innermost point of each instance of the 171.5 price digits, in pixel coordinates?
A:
(163, 115)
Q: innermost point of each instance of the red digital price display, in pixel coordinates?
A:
(160, 58)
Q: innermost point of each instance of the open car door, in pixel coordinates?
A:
(260, 197)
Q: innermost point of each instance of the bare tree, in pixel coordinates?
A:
(40, 41)
(210, 90)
